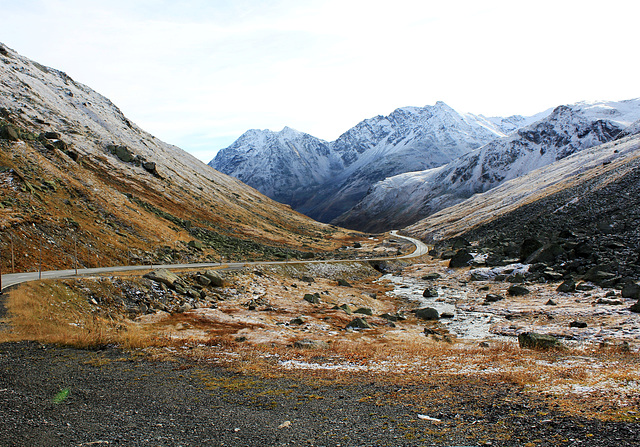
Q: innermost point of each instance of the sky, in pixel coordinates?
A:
(199, 73)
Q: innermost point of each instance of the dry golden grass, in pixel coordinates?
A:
(51, 312)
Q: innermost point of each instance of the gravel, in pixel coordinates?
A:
(72, 397)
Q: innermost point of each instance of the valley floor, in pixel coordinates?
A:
(62, 396)
(267, 358)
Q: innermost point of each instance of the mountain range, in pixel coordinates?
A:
(325, 179)
(391, 171)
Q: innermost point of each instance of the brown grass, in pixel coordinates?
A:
(51, 312)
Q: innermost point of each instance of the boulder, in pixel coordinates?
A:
(517, 290)
(567, 286)
(631, 290)
(546, 254)
(492, 298)
(312, 298)
(431, 276)
(427, 313)
(216, 281)
(528, 247)
(122, 152)
(635, 308)
(578, 324)
(196, 244)
(430, 292)
(307, 279)
(598, 276)
(297, 321)
(359, 323)
(163, 276)
(393, 317)
(203, 280)
(364, 311)
(534, 340)
(461, 258)
(550, 303)
(8, 132)
(345, 308)
(344, 283)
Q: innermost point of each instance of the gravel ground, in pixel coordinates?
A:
(69, 397)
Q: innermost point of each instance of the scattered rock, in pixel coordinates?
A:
(312, 298)
(517, 290)
(567, 286)
(216, 281)
(631, 290)
(297, 321)
(196, 244)
(461, 258)
(203, 280)
(359, 323)
(430, 292)
(533, 340)
(427, 313)
(431, 276)
(609, 301)
(492, 298)
(345, 308)
(163, 276)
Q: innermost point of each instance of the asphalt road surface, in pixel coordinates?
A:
(17, 278)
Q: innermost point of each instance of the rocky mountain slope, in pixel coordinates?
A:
(580, 216)
(404, 199)
(72, 166)
(324, 179)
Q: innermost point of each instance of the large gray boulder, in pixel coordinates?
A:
(427, 313)
(533, 340)
(163, 276)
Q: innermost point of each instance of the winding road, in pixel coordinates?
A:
(17, 278)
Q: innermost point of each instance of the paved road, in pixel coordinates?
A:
(17, 278)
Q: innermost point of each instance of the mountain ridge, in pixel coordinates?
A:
(404, 199)
(408, 139)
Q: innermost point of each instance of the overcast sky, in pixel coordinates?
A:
(198, 73)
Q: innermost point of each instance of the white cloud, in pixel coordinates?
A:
(201, 71)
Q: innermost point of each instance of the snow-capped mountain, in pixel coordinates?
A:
(403, 199)
(282, 165)
(323, 179)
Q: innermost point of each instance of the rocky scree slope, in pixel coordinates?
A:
(577, 219)
(324, 179)
(71, 162)
(404, 199)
